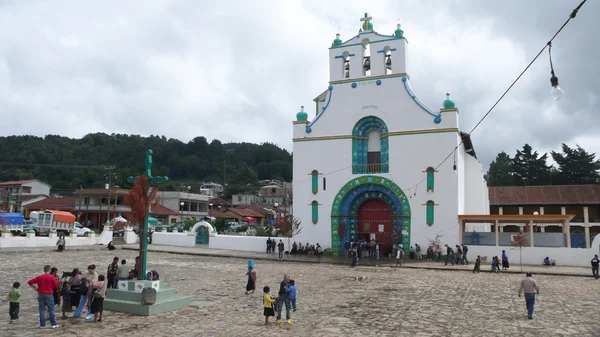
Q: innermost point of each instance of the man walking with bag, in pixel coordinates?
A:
(595, 264)
(530, 287)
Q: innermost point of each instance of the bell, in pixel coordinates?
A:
(388, 61)
(347, 74)
(367, 64)
(347, 67)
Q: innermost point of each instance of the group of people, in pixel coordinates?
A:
(71, 290)
(297, 249)
(362, 249)
(286, 296)
(457, 257)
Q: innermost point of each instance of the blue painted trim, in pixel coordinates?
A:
(378, 82)
(309, 126)
(383, 51)
(354, 85)
(342, 56)
(437, 118)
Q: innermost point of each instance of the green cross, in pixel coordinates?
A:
(144, 227)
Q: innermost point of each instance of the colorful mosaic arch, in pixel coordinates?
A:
(344, 212)
(360, 145)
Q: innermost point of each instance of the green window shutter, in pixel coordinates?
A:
(315, 212)
(430, 178)
(315, 181)
(430, 212)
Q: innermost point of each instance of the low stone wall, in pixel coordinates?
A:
(186, 239)
(8, 240)
(579, 257)
(246, 243)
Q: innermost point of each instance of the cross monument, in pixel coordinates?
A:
(366, 20)
(144, 227)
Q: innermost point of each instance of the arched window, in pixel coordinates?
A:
(430, 178)
(315, 181)
(370, 153)
(430, 212)
(366, 58)
(315, 212)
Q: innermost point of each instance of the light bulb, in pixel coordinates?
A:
(557, 93)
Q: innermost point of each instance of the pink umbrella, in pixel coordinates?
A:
(250, 219)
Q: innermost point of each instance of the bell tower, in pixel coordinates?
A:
(368, 53)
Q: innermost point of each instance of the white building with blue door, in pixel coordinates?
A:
(366, 164)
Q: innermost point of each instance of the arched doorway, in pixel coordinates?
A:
(373, 189)
(202, 235)
(375, 223)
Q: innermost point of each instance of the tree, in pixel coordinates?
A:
(288, 226)
(220, 225)
(530, 168)
(519, 242)
(576, 166)
(436, 243)
(501, 172)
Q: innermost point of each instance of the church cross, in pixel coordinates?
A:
(367, 18)
(144, 227)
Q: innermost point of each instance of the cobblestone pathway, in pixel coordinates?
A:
(331, 301)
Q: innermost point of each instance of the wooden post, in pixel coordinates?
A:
(500, 210)
(586, 222)
(520, 210)
(531, 231)
(563, 210)
(567, 228)
(496, 230)
(541, 210)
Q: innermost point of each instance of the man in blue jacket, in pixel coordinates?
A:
(282, 300)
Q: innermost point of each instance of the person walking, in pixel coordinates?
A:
(458, 255)
(465, 249)
(530, 287)
(282, 300)
(505, 264)
(280, 248)
(448, 255)
(477, 265)
(347, 249)
(595, 264)
(251, 284)
(399, 255)
(46, 284)
(13, 299)
(418, 251)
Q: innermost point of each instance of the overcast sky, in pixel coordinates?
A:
(239, 70)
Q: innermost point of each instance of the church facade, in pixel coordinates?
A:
(366, 163)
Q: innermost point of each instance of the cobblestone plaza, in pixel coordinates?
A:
(333, 300)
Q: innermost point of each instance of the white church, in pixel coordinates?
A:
(365, 165)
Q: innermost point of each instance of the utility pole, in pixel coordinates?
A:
(110, 174)
(224, 172)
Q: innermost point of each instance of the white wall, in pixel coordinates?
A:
(245, 243)
(7, 240)
(174, 239)
(38, 187)
(564, 256)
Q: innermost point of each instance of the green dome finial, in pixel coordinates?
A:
(302, 116)
(449, 103)
(337, 40)
(399, 32)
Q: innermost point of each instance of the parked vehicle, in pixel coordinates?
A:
(120, 232)
(233, 226)
(14, 222)
(81, 231)
(48, 220)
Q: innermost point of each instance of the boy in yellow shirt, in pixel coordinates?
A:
(268, 301)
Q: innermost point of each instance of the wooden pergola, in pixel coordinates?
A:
(530, 219)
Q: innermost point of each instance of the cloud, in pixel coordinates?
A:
(238, 71)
